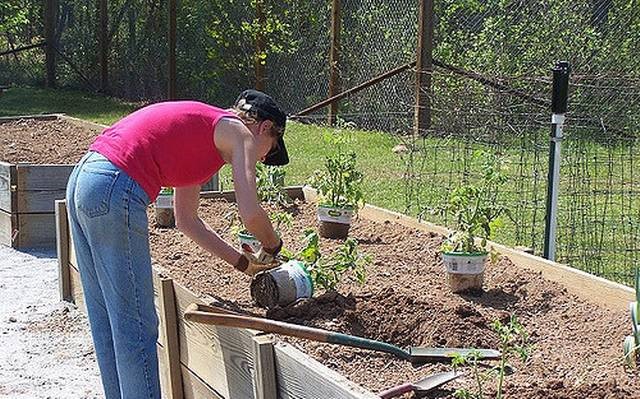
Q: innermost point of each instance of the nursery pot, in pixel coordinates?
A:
(282, 286)
(248, 242)
(465, 271)
(164, 208)
(334, 221)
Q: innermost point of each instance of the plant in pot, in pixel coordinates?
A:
(476, 213)
(339, 187)
(270, 189)
(248, 242)
(308, 270)
(164, 208)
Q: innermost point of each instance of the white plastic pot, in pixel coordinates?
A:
(283, 285)
(249, 243)
(464, 263)
(334, 214)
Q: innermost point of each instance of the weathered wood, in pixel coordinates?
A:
(295, 192)
(37, 201)
(334, 59)
(195, 388)
(211, 185)
(45, 177)
(43, 117)
(8, 228)
(221, 357)
(77, 294)
(7, 187)
(103, 45)
(73, 261)
(424, 67)
(35, 230)
(170, 339)
(300, 376)
(259, 66)
(264, 368)
(62, 248)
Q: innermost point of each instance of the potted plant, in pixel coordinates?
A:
(164, 208)
(339, 187)
(476, 213)
(270, 188)
(307, 270)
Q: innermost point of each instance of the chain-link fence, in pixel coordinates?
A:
(511, 45)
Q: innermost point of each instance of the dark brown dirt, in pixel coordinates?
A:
(406, 301)
(44, 142)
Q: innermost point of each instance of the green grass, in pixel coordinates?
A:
(597, 182)
(31, 101)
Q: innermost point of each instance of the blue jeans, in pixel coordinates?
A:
(107, 214)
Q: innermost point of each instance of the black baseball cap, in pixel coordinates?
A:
(267, 109)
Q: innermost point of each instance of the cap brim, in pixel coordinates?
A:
(280, 157)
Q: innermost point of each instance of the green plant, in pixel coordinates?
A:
(632, 342)
(327, 272)
(514, 342)
(270, 185)
(475, 208)
(339, 184)
(279, 219)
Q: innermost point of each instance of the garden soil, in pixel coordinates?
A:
(44, 142)
(577, 345)
(406, 301)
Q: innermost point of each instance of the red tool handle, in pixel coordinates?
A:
(396, 391)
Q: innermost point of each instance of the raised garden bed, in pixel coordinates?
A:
(37, 155)
(577, 322)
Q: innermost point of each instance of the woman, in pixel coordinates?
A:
(179, 144)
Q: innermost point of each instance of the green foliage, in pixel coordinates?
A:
(514, 342)
(475, 208)
(270, 184)
(339, 184)
(327, 272)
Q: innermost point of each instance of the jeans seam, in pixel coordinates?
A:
(135, 288)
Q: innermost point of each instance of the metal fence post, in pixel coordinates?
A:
(559, 107)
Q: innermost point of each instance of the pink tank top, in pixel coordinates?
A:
(165, 144)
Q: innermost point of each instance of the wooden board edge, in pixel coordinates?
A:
(62, 249)
(311, 374)
(295, 192)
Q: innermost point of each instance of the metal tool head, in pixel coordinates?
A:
(435, 380)
(430, 355)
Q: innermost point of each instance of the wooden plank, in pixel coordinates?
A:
(170, 339)
(96, 127)
(8, 226)
(40, 201)
(222, 357)
(195, 388)
(212, 185)
(77, 294)
(36, 230)
(7, 187)
(62, 248)
(264, 370)
(300, 376)
(32, 177)
(295, 192)
(43, 117)
(73, 261)
(162, 365)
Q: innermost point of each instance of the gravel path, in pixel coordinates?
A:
(46, 344)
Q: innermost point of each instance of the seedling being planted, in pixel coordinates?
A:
(476, 213)
(248, 243)
(339, 187)
(307, 270)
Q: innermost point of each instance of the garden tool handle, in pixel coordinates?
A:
(396, 391)
(194, 313)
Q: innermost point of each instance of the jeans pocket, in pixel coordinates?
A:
(93, 190)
